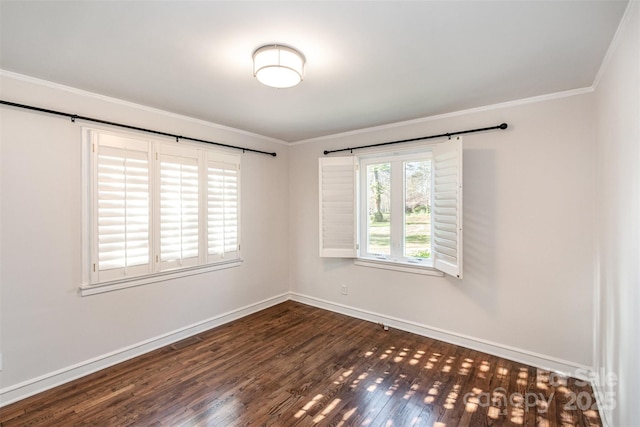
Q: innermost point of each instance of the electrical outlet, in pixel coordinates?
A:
(345, 290)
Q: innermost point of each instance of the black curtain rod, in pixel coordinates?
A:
(449, 134)
(75, 117)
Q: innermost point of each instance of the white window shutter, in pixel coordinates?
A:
(122, 206)
(154, 206)
(179, 212)
(223, 209)
(338, 204)
(447, 207)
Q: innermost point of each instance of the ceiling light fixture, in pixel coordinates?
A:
(278, 66)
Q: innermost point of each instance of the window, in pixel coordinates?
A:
(395, 209)
(395, 222)
(154, 208)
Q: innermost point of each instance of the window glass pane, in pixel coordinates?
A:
(417, 212)
(379, 208)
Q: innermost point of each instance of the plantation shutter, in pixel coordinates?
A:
(121, 200)
(179, 211)
(338, 180)
(447, 207)
(223, 208)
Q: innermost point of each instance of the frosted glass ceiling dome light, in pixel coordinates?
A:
(278, 66)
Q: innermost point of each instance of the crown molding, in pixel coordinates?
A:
(93, 95)
(507, 104)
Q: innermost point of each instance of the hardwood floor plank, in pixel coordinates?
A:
(295, 365)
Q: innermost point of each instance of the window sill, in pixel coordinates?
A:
(98, 288)
(398, 266)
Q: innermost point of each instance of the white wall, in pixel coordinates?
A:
(46, 326)
(618, 142)
(529, 207)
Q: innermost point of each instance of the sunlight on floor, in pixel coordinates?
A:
(411, 392)
(490, 397)
(433, 392)
(308, 406)
(465, 367)
(523, 375)
(392, 389)
(343, 376)
(452, 397)
(346, 416)
(326, 410)
(355, 382)
(473, 400)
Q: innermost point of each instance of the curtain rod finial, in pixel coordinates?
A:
(503, 126)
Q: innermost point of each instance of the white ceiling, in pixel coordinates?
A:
(368, 63)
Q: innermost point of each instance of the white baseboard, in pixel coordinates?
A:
(507, 352)
(53, 379)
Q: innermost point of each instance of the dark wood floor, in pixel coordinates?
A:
(295, 365)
